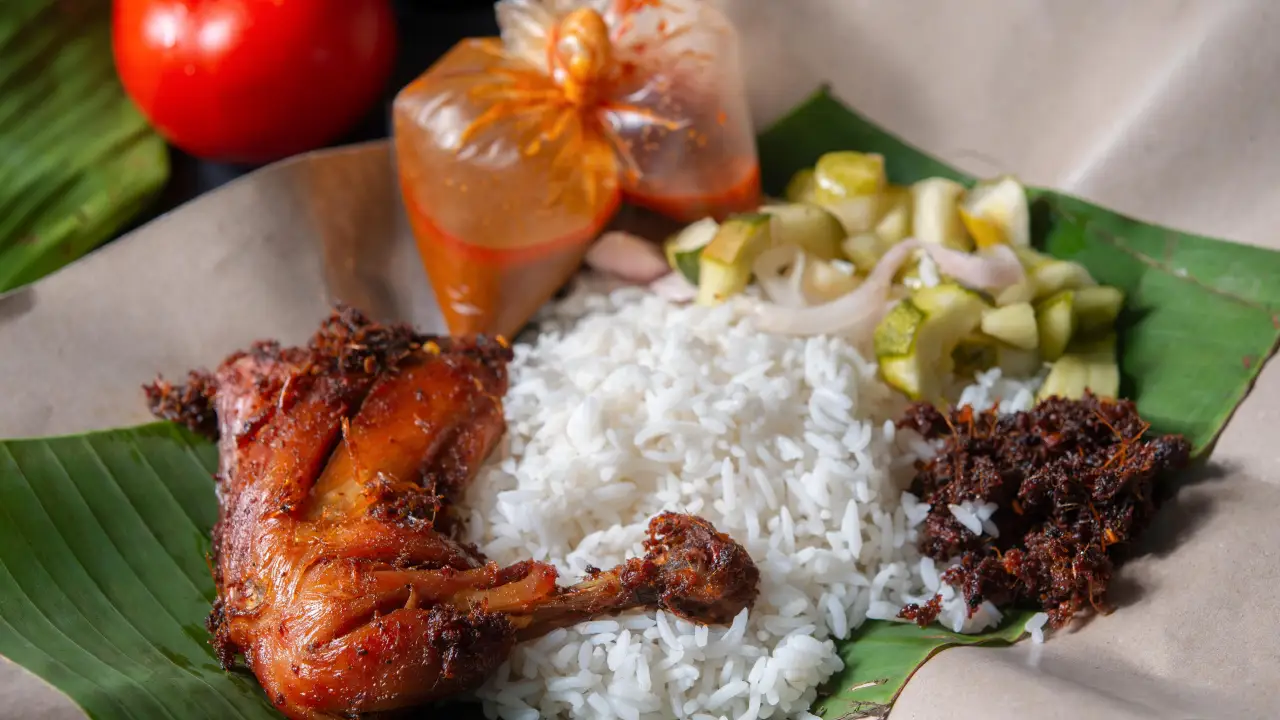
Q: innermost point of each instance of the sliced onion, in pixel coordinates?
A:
(673, 287)
(627, 256)
(992, 269)
(854, 315)
(779, 272)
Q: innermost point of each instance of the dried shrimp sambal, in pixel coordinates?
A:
(1073, 480)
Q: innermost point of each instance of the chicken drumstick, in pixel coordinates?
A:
(338, 580)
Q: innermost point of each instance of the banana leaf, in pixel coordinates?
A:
(103, 582)
(77, 160)
(881, 656)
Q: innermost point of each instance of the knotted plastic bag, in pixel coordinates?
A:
(514, 153)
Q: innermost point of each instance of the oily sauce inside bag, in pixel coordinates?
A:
(514, 153)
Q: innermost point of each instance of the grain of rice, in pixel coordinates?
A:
(597, 627)
(1035, 625)
(964, 515)
(601, 705)
(725, 694)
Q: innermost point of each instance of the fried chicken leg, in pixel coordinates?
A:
(338, 579)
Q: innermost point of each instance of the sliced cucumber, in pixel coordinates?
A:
(974, 354)
(1053, 276)
(826, 280)
(895, 217)
(936, 213)
(1089, 366)
(684, 249)
(842, 175)
(896, 333)
(1104, 379)
(1102, 346)
(801, 186)
(1046, 276)
(864, 250)
(1104, 369)
(1015, 362)
(915, 347)
(1013, 324)
(1021, 292)
(1024, 291)
(808, 227)
(725, 263)
(1096, 309)
(996, 212)
(1031, 259)
(858, 214)
(947, 295)
(1056, 321)
(1067, 379)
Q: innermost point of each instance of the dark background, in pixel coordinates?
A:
(427, 29)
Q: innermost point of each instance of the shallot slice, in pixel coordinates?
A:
(992, 269)
(854, 315)
(627, 256)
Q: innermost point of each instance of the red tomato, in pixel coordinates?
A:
(253, 80)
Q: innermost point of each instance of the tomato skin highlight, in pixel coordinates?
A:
(252, 81)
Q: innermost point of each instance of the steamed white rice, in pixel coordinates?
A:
(625, 406)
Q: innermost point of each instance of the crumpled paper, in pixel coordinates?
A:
(1162, 110)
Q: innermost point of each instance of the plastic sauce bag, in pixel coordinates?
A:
(514, 153)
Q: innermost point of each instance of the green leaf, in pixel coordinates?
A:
(881, 656)
(103, 582)
(79, 159)
(1201, 315)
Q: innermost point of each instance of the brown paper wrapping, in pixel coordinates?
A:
(1163, 110)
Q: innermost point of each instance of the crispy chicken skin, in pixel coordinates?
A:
(338, 579)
